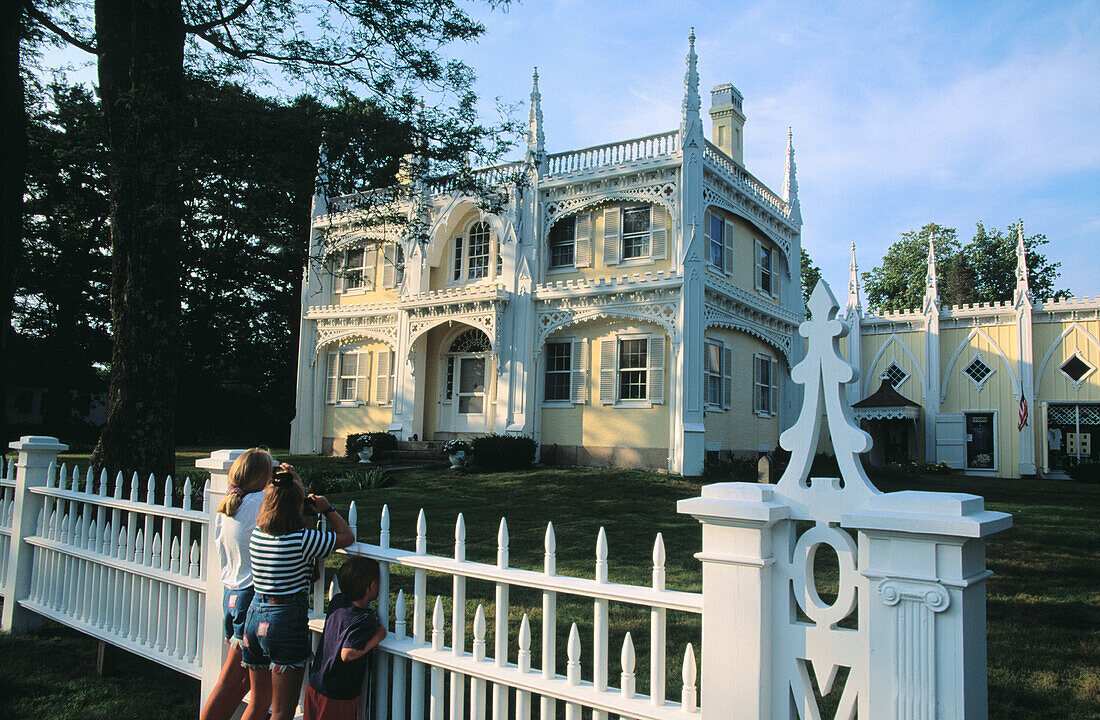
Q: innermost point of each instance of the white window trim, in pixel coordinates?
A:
(894, 362)
(758, 269)
(631, 402)
(708, 220)
(996, 444)
(572, 267)
(984, 380)
(637, 259)
(567, 403)
(1091, 369)
(337, 379)
(711, 407)
(773, 386)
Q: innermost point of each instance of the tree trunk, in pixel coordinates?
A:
(13, 149)
(140, 45)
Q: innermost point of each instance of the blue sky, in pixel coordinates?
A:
(902, 112)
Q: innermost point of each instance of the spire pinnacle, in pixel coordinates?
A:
(790, 182)
(931, 288)
(1023, 289)
(853, 283)
(692, 102)
(536, 140)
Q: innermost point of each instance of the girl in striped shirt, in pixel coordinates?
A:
(276, 638)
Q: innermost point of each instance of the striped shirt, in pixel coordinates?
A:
(281, 563)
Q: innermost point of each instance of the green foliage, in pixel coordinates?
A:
(1087, 472)
(810, 275)
(342, 481)
(732, 469)
(983, 270)
(503, 452)
(917, 468)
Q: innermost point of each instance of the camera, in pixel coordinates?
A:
(281, 475)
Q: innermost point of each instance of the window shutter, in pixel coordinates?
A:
(773, 376)
(758, 269)
(607, 370)
(361, 380)
(582, 240)
(382, 387)
(338, 273)
(579, 372)
(370, 260)
(611, 236)
(658, 232)
(727, 378)
(389, 266)
(728, 238)
(657, 369)
(330, 371)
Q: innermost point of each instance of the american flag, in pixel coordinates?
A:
(1023, 413)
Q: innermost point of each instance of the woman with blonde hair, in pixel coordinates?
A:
(233, 525)
(276, 641)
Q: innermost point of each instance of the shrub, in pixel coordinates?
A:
(503, 452)
(736, 469)
(1087, 472)
(348, 480)
(455, 445)
(382, 442)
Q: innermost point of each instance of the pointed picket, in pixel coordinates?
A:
(689, 695)
(627, 660)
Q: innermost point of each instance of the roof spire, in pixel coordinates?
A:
(692, 102)
(853, 283)
(320, 180)
(536, 140)
(931, 287)
(790, 182)
(1023, 289)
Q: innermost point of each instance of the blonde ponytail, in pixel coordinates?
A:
(250, 472)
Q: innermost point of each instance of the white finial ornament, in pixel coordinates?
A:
(931, 287)
(1023, 288)
(824, 373)
(536, 139)
(790, 182)
(692, 102)
(853, 283)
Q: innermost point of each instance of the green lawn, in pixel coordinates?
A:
(1043, 604)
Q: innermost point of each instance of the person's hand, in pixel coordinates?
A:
(290, 469)
(319, 502)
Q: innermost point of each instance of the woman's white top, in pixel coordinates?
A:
(231, 534)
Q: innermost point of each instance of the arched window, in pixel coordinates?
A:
(471, 254)
(471, 341)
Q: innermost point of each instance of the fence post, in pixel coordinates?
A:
(739, 525)
(36, 454)
(924, 555)
(214, 648)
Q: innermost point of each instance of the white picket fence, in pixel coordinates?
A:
(904, 637)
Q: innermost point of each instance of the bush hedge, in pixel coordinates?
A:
(1088, 472)
(503, 452)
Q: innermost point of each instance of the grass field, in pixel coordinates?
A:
(1043, 601)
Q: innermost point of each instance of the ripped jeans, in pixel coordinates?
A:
(277, 634)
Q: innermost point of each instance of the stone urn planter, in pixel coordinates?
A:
(458, 459)
(366, 454)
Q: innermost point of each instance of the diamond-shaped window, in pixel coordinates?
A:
(1076, 369)
(977, 370)
(895, 375)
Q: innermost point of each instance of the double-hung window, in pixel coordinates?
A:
(562, 248)
(566, 375)
(717, 375)
(347, 373)
(353, 270)
(632, 369)
(765, 378)
(635, 233)
(716, 242)
(767, 280)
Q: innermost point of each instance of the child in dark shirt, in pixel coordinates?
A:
(351, 631)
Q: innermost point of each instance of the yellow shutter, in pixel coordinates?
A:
(582, 240)
(658, 232)
(382, 385)
(579, 371)
(611, 221)
(656, 369)
(607, 370)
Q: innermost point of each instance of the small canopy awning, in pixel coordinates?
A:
(886, 403)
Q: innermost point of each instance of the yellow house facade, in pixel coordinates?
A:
(632, 304)
(1002, 389)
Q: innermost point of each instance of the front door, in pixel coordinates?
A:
(471, 401)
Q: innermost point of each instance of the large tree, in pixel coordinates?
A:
(983, 270)
(383, 48)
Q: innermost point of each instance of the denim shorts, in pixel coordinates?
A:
(235, 605)
(277, 633)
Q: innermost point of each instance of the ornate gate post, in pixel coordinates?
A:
(36, 454)
(904, 637)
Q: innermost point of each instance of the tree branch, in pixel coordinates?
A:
(45, 21)
(204, 27)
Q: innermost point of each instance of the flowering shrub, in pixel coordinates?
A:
(454, 446)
